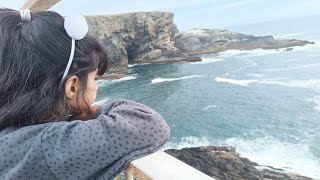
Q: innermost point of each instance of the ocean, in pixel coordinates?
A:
(266, 103)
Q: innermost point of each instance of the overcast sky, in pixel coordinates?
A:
(192, 13)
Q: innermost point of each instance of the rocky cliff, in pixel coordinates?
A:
(137, 37)
(225, 163)
(205, 41)
(152, 37)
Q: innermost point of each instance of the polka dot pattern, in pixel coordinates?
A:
(100, 148)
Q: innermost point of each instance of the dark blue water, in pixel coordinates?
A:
(266, 103)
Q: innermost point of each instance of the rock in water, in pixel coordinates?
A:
(225, 163)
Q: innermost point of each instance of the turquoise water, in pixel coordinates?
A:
(266, 103)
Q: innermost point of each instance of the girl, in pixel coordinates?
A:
(48, 126)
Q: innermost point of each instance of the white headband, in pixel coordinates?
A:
(77, 28)
(25, 15)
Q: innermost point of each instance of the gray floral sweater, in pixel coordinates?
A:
(100, 148)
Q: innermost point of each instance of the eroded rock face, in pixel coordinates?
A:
(205, 41)
(137, 38)
(152, 37)
(225, 163)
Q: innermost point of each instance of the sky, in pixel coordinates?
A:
(192, 13)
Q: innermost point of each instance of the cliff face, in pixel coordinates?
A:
(152, 37)
(225, 163)
(137, 37)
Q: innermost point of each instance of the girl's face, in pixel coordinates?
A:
(79, 102)
(92, 88)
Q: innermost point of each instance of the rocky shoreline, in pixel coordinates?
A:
(226, 163)
(152, 37)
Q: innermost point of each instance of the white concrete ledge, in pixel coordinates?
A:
(162, 166)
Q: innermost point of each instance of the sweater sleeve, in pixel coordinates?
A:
(101, 148)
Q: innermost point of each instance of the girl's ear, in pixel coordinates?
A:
(71, 88)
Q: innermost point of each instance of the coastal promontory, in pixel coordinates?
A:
(152, 37)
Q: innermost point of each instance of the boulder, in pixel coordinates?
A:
(226, 163)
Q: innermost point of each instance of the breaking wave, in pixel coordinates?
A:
(160, 80)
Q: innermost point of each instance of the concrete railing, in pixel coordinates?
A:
(39, 5)
(162, 166)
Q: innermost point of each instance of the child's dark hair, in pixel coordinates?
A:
(33, 57)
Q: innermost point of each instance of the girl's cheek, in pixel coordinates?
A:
(93, 86)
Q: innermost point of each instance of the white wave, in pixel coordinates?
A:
(189, 141)
(263, 52)
(209, 107)
(311, 83)
(160, 80)
(102, 83)
(124, 79)
(233, 81)
(255, 75)
(271, 152)
(207, 60)
(309, 47)
(101, 101)
(249, 53)
(132, 65)
(315, 100)
(313, 55)
(107, 82)
(291, 68)
(231, 53)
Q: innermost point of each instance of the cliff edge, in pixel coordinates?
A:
(152, 37)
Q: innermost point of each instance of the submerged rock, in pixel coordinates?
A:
(225, 163)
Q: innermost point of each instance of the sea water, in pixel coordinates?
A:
(266, 103)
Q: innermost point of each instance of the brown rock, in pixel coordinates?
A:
(205, 41)
(137, 38)
(225, 163)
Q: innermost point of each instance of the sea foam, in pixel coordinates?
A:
(234, 81)
(208, 60)
(160, 80)
(249, 53)
(310, 83)
(208, 107)
(266, 151)
(124, 79)
(187, 142)
(271, 152)
(132, 65)
(263, 52)
(316, 101)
